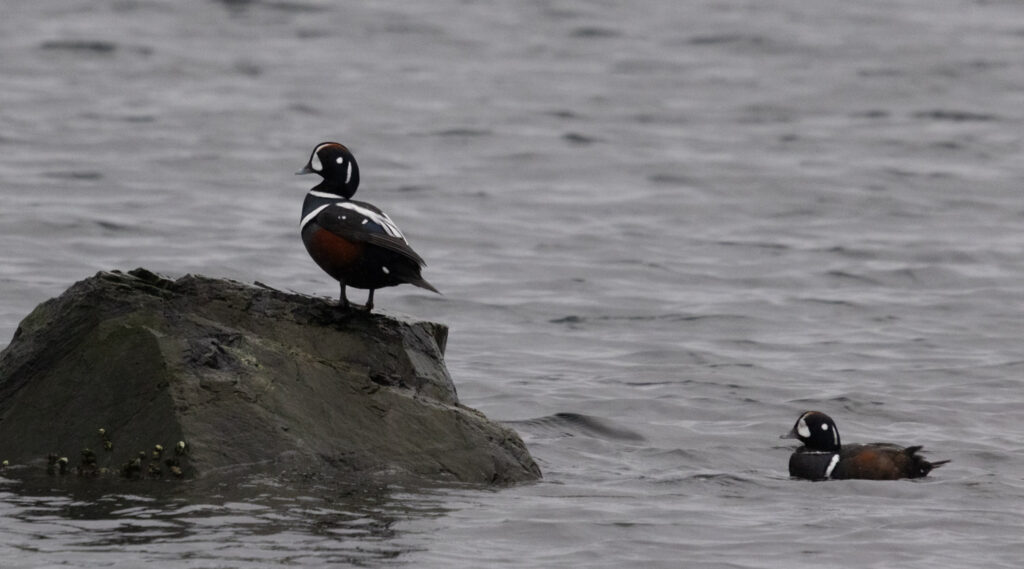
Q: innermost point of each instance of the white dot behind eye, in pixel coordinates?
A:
(824, 426)
(340, 160)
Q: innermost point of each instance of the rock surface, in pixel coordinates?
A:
(248, 377)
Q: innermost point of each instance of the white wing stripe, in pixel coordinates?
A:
(380, 219)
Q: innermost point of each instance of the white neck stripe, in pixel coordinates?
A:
(319, 194)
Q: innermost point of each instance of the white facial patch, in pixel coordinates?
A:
(314, 161)
(380, 219)
(802, 429)
(832, 465)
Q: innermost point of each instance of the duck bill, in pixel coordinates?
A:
(790, 435)
(305, 170)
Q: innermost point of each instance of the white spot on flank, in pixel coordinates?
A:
(365, 221)
(832, 465)
(386, 270)
(802, 430)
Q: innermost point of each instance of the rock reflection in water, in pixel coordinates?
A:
(261, 520)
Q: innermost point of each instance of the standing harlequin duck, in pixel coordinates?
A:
(353, 241)
(822, 457)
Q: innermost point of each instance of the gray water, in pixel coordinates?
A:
(663, 229)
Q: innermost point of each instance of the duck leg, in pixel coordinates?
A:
(343, 300)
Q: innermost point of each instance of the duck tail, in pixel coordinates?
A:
(922, 466)
(422, 283)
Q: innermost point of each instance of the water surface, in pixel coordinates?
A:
(662, 229)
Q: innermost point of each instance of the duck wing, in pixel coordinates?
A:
(364, 222)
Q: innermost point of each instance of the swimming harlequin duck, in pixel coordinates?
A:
(353, 241)
(822, 457)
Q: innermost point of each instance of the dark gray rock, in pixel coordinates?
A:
(248, 377)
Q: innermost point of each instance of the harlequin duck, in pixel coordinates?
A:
(822, 457)
(354, 242)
